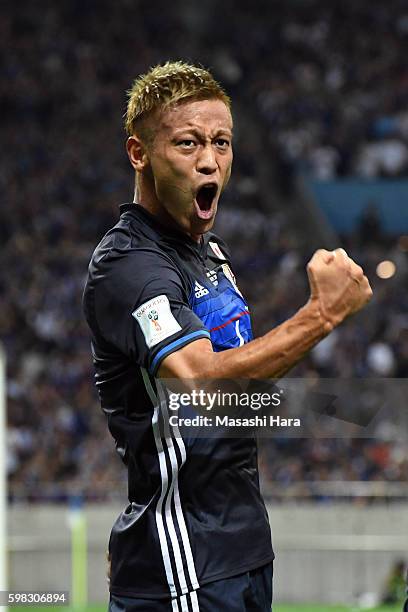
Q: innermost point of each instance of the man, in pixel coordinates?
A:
(162, 302)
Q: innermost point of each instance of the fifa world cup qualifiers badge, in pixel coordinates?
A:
(153, 316)
(156, 320)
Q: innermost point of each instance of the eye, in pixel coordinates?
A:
(222, 143)
(187, 143)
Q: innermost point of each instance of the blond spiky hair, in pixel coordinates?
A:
(165, 85)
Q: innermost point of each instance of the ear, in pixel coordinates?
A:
(137, 153)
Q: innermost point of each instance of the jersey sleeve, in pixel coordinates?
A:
(142, 309)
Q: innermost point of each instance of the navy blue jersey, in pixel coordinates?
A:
(195, 512)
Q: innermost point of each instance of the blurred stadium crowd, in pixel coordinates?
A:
(328, 86)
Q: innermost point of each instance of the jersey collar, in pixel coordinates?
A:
(166, 235)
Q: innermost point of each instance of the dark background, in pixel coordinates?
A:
(320, 90)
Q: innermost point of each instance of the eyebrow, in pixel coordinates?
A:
(197, 131)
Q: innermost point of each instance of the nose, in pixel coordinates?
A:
(206, 162)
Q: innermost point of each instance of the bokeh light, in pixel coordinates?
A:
(386, 269)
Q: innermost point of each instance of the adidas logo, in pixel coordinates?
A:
(199, 290)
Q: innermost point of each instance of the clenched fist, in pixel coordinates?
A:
(338, 285)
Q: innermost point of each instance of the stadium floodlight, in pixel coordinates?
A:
(3, 475)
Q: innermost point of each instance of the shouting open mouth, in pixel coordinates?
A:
(204, 200)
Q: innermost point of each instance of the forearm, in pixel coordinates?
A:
(275, 353)
(270, 356)
(339, 288)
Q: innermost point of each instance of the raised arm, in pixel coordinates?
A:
(338, 288)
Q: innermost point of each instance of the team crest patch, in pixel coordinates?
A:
(216, 250)
(156, 320)
(230, 275)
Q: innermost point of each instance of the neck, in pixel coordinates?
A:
(146, 197)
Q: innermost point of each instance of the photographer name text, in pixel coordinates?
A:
(226, 421)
